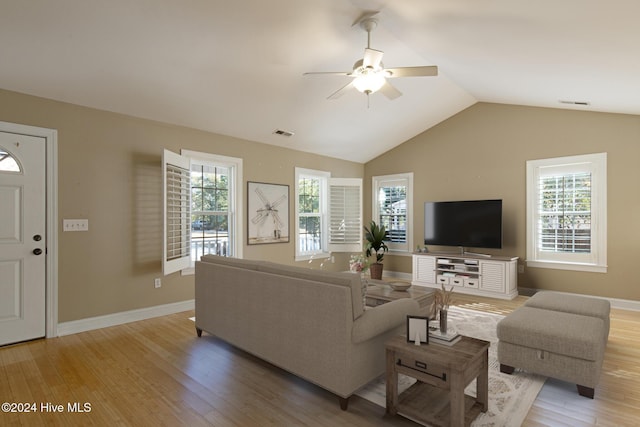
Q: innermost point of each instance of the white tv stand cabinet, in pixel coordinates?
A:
(493, 276)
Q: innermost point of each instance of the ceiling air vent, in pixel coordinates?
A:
(283, 132)
(582, 103)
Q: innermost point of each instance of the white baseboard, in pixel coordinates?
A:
(91, 323)
(624, 304)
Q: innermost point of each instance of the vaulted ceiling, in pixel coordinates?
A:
(236, 67)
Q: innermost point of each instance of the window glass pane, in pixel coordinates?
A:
(222, 178)
(8, 163)
(208, 176)
(392, 205)
(211, 211)
(221, 200)
(309, 195)
(309, 215)
(196, 198)
(209, 199)
(309, 233)
(565, 213)
(210, 235)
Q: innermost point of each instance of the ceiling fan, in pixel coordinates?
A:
(369, 74)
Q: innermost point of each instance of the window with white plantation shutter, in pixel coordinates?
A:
(566, 207)
(345, 215)
(216, 206)
(393, 207)
(177, 213)
(202, 208)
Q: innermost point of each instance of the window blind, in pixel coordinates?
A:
(177, 215)
(345, 215)
(178, 224)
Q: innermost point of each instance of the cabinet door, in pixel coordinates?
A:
(492, 276)
(424, 268)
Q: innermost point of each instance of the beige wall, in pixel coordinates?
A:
(110, 172)
(481, 153)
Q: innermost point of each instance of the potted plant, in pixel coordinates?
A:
(375, 236)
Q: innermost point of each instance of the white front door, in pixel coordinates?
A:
(22, 237)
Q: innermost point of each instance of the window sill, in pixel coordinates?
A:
(323, 255)
(593, 268)
(399, 252)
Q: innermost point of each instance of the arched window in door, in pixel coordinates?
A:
(7, 162)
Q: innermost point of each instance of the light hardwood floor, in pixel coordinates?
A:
(157, 372)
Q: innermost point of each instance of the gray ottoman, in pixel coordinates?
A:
(566, 342)
(576, 304)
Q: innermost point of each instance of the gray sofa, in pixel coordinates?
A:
(311, 323)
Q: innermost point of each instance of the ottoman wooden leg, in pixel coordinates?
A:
(586, 391)
(506, 369)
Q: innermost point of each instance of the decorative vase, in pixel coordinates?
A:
(443, 321)
(375, 270)
(365, 284)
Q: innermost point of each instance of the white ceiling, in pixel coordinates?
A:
(236, 67)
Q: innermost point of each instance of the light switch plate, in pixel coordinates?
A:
(75, 225)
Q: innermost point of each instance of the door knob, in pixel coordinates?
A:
(37, 251)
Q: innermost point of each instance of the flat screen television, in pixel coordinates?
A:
(470, 223)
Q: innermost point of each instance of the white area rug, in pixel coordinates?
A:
(510, 396)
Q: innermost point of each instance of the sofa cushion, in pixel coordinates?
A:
(249, 264)
(570, 303)
(344, 279)
(579, 336)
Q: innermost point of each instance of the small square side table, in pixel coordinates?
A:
(443, 372)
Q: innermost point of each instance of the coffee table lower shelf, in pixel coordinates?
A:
(426, 404)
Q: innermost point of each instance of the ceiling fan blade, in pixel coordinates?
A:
(337, 94)
(372, 58)
(334, 73)
(431, 70)
(390, 91)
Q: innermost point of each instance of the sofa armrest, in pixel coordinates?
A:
(380, 319)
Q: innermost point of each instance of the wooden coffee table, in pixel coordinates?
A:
(379, 292)
(443, 372)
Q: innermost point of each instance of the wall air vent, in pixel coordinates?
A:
(581, 103)
(283, 132)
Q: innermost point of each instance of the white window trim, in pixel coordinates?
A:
(597, 164)
(386, 180)
(324, 177)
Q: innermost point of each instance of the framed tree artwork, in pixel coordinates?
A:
(268, 213)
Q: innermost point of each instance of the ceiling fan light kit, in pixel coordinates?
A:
(369, 81)
(369, 74)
